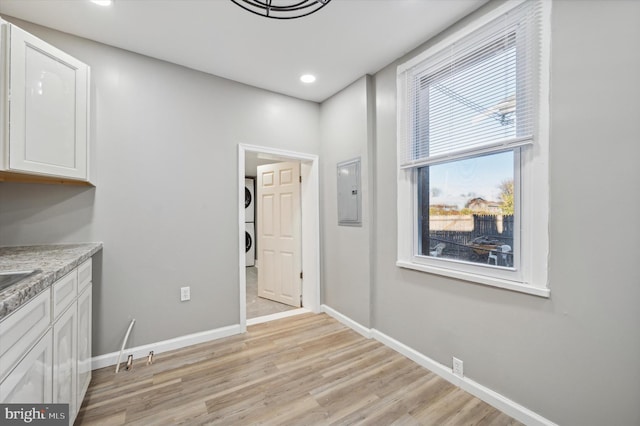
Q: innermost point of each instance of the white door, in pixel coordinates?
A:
(279, 233)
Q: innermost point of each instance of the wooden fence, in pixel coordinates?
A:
(495, 227)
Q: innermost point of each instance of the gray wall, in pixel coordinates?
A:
(346, 134)
(572, 358)
(166, 203)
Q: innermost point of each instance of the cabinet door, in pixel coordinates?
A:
(30, 380)
(48, 108)
(22, 329)
(84, 344)
(65, 357)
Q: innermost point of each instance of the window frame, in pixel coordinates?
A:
(512, 273)
(530, 273)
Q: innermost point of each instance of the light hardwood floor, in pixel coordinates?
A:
(304, 370)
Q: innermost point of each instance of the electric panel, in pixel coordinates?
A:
(349, 193)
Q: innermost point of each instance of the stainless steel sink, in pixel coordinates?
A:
(12, 277)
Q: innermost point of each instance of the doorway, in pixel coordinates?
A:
(258, 306)
(249, 156)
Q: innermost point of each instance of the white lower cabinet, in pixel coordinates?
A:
(30, 380)
(84, 344)
(22, 329)
(50, 362)
(65, 358)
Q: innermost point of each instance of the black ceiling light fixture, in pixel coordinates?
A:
(282, 9)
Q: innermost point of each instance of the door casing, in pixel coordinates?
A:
(310, 206)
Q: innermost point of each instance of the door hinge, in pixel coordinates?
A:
(300, 179)
(301, 275)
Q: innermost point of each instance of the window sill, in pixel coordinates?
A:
(480, 279)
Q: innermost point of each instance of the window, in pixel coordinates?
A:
(472, 153)
(466, 210)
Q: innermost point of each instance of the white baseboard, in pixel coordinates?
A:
(440, 369)
(279, 315)
(489, 396)
(356, 326)
(106, 360)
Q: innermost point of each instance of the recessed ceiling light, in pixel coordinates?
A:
(307, 78)
(102, 2)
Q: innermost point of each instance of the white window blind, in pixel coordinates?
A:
(478, 95)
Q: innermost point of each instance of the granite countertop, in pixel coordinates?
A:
(54, 261)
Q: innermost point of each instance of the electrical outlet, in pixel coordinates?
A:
(457, 367)
(185, 294)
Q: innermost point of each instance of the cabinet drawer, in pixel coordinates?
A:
(84, 275)
(20, 330)
(64, 292)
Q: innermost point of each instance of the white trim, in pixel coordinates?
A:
(242, 265)
(495, 147)
(532, 268)
(88, 152)
(4, 99)
(502, 403)
(476, 278)
(310, 201)
(167, 345)
(356, 326)
(283, 153)
(541, 192)
(463, 32)
(277, 316)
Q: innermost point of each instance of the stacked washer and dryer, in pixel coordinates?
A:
(249, 217)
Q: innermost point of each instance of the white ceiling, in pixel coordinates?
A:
(340, 43)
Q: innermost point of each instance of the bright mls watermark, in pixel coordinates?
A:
(34, 414)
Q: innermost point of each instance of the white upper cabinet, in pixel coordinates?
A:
(46, 102)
